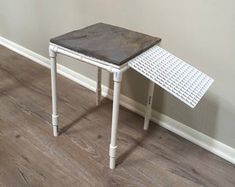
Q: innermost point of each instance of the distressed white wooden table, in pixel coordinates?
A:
(116, 49)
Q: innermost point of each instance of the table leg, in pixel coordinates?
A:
(117, 77)
(149, 105)
(98, 86)
(53, 92)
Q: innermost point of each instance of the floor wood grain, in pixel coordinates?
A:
(31, 156)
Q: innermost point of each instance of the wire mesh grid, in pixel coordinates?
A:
(173, 74)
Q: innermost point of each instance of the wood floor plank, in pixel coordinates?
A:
(31, 156)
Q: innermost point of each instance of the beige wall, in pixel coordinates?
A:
(200, 32)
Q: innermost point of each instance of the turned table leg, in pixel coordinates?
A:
(149, 105)
(53, 92)
(117, 77)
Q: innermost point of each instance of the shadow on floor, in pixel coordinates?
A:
(88, 112)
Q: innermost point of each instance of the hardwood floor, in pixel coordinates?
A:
(31, 156)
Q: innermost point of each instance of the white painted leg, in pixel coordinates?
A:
(149, 105)
(53, 91)
(117, 77)
(98, 86)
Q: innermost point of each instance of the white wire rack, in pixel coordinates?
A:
(173, 74)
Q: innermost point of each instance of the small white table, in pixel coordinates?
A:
(116, 49)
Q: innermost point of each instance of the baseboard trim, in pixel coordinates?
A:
(224, 151)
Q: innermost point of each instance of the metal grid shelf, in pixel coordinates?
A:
(173, 74)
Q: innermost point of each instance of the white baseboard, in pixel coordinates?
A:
(208, 143)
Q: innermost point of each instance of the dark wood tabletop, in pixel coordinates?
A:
(106, 42)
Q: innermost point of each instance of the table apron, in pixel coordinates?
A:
(83, 58)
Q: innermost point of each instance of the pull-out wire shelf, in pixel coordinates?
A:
(172, 74)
